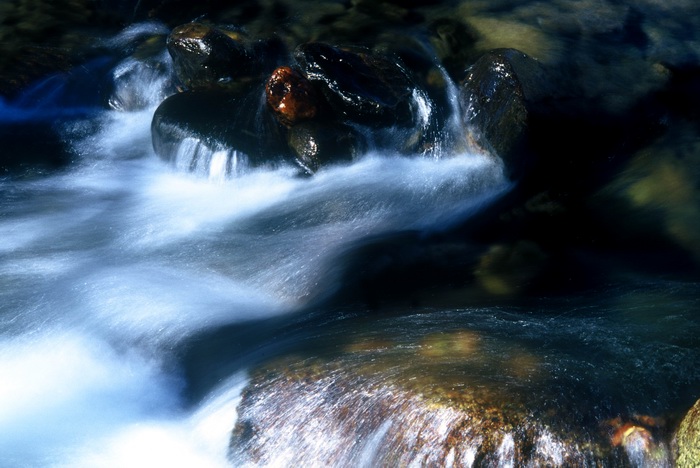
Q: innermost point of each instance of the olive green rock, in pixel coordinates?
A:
(688, 439)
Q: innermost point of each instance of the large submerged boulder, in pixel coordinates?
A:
(449, 398)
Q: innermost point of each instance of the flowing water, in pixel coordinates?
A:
(136, 298)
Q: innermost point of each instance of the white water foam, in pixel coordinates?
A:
(196, 439)
(70, 399)
(62, 387)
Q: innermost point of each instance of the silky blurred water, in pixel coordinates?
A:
(113, 269)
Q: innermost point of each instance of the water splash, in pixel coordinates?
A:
(194, 156)
(141, 84)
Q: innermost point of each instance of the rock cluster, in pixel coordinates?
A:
(587, 129)
(322, 103)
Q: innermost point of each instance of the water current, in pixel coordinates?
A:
(136, 298)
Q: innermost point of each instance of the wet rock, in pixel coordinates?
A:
(189, 128)
(316, 144)
(496, 97)
(291, 96)
(209, 57)
(687, 440)
(205, 57)
(381, 425)
(360, 87)
(450, 398)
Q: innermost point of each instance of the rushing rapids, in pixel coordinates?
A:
(343, 234)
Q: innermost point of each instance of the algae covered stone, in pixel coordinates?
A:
(688, 439)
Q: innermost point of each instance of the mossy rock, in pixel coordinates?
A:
(688, 439)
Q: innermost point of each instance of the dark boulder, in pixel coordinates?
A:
(497, 97)
(360, 86)
(191, 125)
(316, 144)
(210, 57)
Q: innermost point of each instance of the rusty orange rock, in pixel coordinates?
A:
(291, 96)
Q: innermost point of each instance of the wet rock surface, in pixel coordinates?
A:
(219, 120)
(291, 96)
(206, 56)
(687, 440)
(448, 398)
(360, 87)
(318, 144)
(497, 96)
(408, 427)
